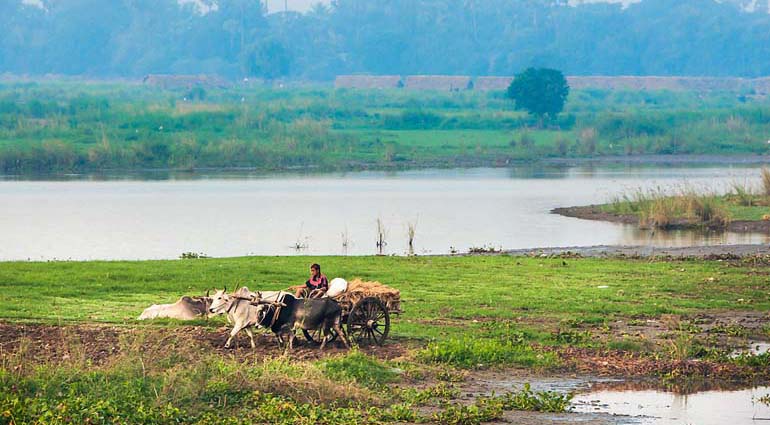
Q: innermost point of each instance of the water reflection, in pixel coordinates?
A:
(712, 407)
(161, 215)
(633, 235)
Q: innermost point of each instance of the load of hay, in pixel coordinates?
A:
(359, 289)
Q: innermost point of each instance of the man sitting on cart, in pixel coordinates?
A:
(316, 286)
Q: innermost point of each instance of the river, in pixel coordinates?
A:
(156, 216)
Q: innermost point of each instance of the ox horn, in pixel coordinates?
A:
(207, 292)
(225, 290)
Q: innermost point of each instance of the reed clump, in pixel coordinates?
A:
(742, 194)
(411, 231)
(661, 209)
(765, 181)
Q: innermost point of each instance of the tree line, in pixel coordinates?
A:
(237, 38)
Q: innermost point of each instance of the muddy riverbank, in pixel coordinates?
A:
(709, 252)
(594, 212)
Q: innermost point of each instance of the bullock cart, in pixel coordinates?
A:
(366, 310)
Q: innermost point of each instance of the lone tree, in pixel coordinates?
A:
(541, 91)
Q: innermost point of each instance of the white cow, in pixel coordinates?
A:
(240, 311)
(186, 308)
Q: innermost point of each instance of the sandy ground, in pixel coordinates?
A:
(98, 343)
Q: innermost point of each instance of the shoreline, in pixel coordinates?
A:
(705, 252)
(499, 162)
(700, 252)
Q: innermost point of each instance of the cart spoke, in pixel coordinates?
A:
(368, 321)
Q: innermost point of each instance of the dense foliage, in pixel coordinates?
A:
(66, 127)
(541, 91)
(236, 38)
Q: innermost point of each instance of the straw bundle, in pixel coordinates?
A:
(359, 289)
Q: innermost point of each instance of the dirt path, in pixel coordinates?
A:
(99, 343)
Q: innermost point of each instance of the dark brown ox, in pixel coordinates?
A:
(301, 313)
(186, 308)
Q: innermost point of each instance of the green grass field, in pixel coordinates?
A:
(459, 313)
(56, 127)
(530, 291)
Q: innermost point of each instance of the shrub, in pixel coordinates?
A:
(469, 415)
(541, 401)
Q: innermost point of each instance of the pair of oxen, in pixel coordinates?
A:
(279, 311)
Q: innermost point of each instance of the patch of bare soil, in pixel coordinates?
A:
(594, 212)
(99, 343)
(618, 363)
(724, 331)
(746, 226)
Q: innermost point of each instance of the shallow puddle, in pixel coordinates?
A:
(755, 348)
(654, 407)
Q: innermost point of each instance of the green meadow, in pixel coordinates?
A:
(459, 314)
(537, 293)
(57, 127)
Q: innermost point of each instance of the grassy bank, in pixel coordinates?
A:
(69, 127)
(688, 207)
(460, 313)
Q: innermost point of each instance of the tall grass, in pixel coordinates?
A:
(85, 127)
(765, 181)
(660, 208)
(743, 193)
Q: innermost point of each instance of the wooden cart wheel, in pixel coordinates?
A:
(369, 322)
(315, 336)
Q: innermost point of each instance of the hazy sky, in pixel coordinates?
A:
(305, 5)
(272, 5)
(298, 5)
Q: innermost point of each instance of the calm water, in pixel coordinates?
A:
(653, 407)
(230, 215)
